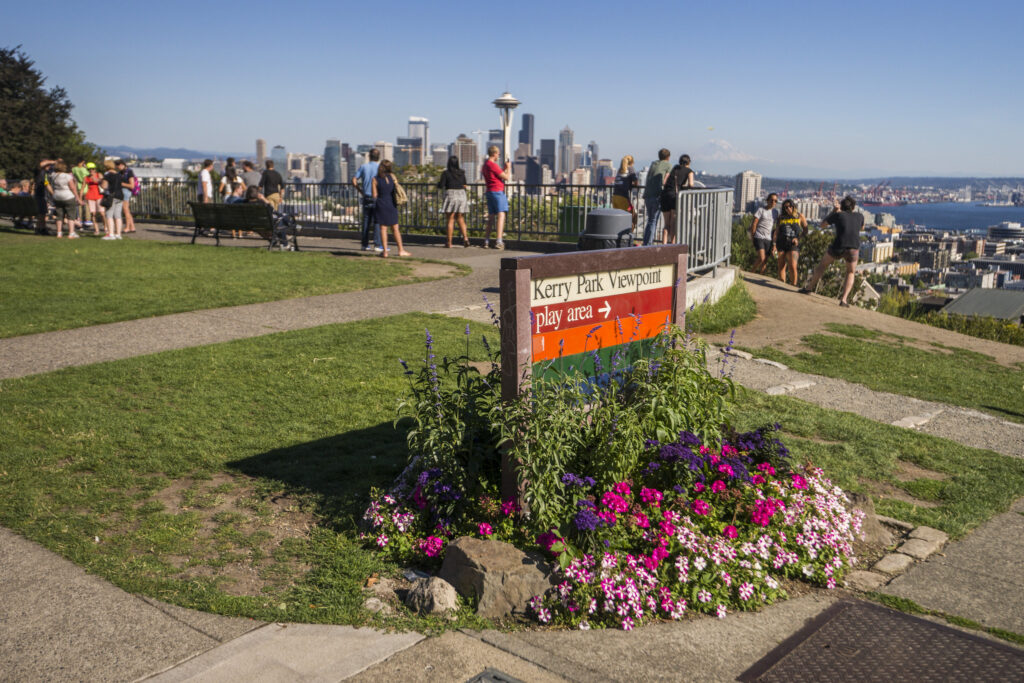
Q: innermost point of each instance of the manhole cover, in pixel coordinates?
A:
(490, 675)
(860, 641)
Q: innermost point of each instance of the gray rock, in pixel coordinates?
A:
(919, 548)
(893, 563)
(860, 580)
(432, 596)
(773, 363)
(736, 352)
(500, 576)
(376, 605)
(874, 533)
(892, 521)
(929, 534)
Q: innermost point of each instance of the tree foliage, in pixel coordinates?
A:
(35, 123)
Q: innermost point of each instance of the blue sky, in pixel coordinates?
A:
(801, 89)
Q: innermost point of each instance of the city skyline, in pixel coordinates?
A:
(875, 90)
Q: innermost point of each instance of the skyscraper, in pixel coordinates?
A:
(464, 148)
(261, 151)
(526, 133)
(566, 159)
(386, 149)
(279, 155)
(748, 189)
(408, 151)
(547, 153)
(419, 127)
(332, 162)
(593, 153)
(495, 136)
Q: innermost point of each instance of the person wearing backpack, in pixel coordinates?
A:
(129, 188)
(679, 178)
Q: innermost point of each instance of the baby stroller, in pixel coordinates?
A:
(285, 233)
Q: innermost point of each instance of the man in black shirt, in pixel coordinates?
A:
(271, 184)
(846, 246)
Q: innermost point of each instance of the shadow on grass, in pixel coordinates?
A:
(334, 473)
(1003, 410)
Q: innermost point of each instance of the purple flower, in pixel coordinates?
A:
(586, 520)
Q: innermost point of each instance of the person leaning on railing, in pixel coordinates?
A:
(679, 178)
(456, 205)
(625, 181)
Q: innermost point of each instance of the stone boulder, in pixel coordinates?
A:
(874, 533)
(432, 596)
(500, 576)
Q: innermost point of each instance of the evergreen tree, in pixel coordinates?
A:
(35, 123)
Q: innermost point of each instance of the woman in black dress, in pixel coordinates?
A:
(387, 212)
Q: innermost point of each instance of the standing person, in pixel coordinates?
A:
(271, 185)
(114, 218)
(128, 181)
(93, 209)
(846, 245)
(81, 172)
(497, 203)
(250, 176)
(680, 177)
(762, 229)
(363, 182)
(387, 213)
(453, 182)
(206, 182)
(652, 193)
(39, 190)
(622, 191)
(64, 190)
(789, 230)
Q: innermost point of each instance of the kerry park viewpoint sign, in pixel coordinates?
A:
(573, 312)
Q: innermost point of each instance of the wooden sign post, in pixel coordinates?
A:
(561, 308)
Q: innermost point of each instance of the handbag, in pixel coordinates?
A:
(400, 196)
(107, 201)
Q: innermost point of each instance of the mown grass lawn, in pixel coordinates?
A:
(890, 363)
(232, 477)
(51, 284)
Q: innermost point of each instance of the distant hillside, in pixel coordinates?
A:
(169, 153)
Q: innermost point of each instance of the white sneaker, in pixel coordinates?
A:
(117, 237)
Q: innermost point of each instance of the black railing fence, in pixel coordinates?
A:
(536, 212)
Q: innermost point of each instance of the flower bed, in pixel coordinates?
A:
(706, 520)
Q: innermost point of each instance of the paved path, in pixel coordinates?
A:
(59, 623)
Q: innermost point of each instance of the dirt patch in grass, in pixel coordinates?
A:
(880, 489)
(908, 471)
(241, 533)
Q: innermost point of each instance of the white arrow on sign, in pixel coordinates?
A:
(606, 310)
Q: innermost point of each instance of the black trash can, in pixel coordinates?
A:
(607, 229)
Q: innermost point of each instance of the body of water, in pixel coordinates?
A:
(952, 215)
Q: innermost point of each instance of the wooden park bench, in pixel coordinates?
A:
(257, 217)
(21, 208)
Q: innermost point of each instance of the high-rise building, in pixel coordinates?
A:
(566, 158)
(547, 154)
(465, 149)
(439, 155)
(408, 151)
(315, 170)
(419, 127)
(386, 149)
(279, 155)
(748, 189)
(593, 152)
(496, 137)
(261, 151)
(526, 133)
(332, 162)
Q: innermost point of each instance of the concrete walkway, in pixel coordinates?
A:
(59, 623)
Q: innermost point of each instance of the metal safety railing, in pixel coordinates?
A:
(548, 212)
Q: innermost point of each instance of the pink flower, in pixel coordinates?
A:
(766, 468)
(382, 540)
(650, 496)
(614, 502)
(704, 450)
(728, 450)
(799, 482)
(700, 507)
(651, 563)
(418, 500)
(659, 553)
(546, 540)
(608, 517)
(730, 532)
(485, 529)
(431, 546)
(725, 469)
(641, 520)
(668, 528)
(509, 507)
(717, 486)
(698, 487)
(622, 488)
(757, 480)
